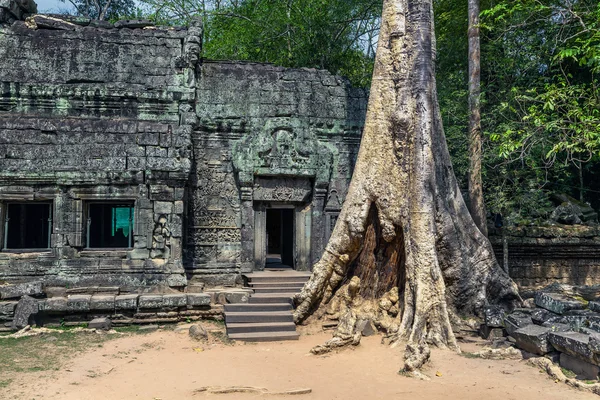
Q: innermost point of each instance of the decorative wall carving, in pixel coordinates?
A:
(282, 189)
(284, 146)
(161, 239)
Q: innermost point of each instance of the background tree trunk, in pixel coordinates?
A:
(405, 252)
(476, 202)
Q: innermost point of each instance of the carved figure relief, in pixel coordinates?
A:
(161, 239)
(284, 146)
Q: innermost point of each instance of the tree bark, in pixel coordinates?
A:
(405, 252)
(476, 203)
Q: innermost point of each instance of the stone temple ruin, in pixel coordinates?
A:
(138, 179)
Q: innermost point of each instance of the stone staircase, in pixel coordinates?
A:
(268, 314)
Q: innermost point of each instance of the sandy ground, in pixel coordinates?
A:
(167, 365)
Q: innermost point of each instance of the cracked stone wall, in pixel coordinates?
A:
(96, 114)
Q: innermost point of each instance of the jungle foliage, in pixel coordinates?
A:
(540, 100)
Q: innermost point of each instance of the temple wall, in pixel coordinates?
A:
(92, 115)
(540, 256)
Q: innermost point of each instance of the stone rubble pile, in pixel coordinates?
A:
(31, 304)
(562, 327)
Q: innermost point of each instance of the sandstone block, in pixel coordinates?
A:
(198, 299)
(574, 344)
(583, 369)
(7, 308)
(26, 309)
(150, 301)
(558, 303)
(100, 323)
(516, 320)
(174, 300)
(20, 289)
(494, 316)
(534, 339)
(197, 332)
(54, 305)
(126, 302)
(79, 302)
(102, 302)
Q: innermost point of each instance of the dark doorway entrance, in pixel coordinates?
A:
(280, 237)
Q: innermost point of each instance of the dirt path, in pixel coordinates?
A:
(168, 365)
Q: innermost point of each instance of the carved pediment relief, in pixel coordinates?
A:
(285, 147)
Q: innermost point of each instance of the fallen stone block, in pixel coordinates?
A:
(557, 326)
(46, 22)
(174, 300)
(26, 309)
(7, 308)
(574, 344)
(197, 332)
(104, 324)
(494, 316)
(79, 302)
(198, 299)
(20, 289)
(516, 320)
(102, 302)
(126, 302)
(558, 303)
(583, 369)
(541, 315)
(366, 327)
(487, 332)
(150, 301)
(534, 339)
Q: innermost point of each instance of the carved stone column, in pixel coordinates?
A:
(318, 224)
(247, 230)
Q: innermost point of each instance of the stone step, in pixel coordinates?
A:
(258, 307)
(277, 278)
(244, 316)
(261, 327)
(271, 298)
(294, 285)
(276, 289)
(264, 336)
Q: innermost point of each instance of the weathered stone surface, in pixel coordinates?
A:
(198, 299)
(197, 332)
(174, 300)
(150, 301)
(557, 326)
(79, 302)
(133, 23)
(487, 332)
(541, 315)
(240, 296)
(574, 344)
(583, 369)
(126, 302)
(366, 327)
(494, 316)
(54, 305)
(594, 306)
(48, 22)
(26, 309)
(534, 339)
(102, 302)
(20, 289)
(516, 320)
(7, 308)
(558, 303)
(104, 324)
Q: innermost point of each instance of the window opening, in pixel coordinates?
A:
(109, 225)
(27, 226)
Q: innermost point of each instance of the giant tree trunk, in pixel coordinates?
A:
(405, 252)
(476, 203)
